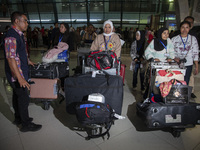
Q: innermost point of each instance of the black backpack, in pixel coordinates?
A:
(91, 114)
(102, 60)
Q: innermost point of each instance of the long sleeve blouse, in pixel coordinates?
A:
(150, 52)
(113, 44)
(191, 50)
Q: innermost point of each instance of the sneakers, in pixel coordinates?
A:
(17, 122)
(193, 96)
(31, 127)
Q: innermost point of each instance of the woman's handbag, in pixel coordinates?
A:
(175, 92)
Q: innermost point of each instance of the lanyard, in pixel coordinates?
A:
(60, 38)
(184, 42)
(163, 45)
(106, 42)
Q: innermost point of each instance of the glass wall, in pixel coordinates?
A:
(123, 13)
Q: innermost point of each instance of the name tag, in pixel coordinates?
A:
(166, 55)
(184, 52)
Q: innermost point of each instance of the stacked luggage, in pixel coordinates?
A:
(48, 78)
(95, 80)
(174, 109)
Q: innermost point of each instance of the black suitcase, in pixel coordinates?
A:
(49, 71)
(77, 89)
(160, 115)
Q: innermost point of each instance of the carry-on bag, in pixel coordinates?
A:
(45, 90)
(77, 88)
(49, 71)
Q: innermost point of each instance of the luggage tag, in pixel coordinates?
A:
(166, 55)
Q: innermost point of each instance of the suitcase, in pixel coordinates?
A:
(122, 71)
(160, 115)
(49, 71)
(77, 89)
(45, 89)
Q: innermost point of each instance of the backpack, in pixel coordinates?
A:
(102, 60)
(95, 114)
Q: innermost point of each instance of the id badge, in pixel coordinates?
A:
(166, 55)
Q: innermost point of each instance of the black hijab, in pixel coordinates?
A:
(157, 44)
(140, 43)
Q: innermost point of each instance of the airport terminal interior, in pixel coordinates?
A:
(61, 130)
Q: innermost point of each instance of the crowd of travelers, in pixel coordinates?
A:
(144, 45)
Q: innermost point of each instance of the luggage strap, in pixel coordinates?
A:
(108, 126)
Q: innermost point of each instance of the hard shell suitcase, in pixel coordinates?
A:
(77, 89)
(44, 88)
(49, 71)
(160, 115)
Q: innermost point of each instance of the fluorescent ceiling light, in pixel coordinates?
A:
(80, 20)
(124, 19)
(5, 20)
(36, 20)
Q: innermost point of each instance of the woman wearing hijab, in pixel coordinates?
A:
(161, 48)
(108, 40)
(186, 47)
(138, 62)
(63, 35)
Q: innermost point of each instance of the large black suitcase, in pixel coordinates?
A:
(160, 115)
(77, 89)
(49, 71)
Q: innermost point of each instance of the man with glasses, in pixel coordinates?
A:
(16, 68)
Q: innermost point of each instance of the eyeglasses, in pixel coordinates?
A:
(24, 20)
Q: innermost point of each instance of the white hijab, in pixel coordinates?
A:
(111, 24)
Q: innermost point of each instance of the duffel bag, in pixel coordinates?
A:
(49, 71)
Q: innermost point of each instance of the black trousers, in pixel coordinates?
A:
(135, 73)
(188, 74)
(20, 102)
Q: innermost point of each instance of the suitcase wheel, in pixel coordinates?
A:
(177, 132)
(46, 105)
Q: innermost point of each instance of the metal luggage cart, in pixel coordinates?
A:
(154, 67)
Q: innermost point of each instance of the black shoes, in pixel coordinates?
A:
(193, 96)
(31, 127)
(18, 122)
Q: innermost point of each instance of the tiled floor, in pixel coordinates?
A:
(58, 130)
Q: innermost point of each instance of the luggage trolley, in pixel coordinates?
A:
(176, 117)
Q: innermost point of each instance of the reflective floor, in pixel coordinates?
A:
(59, 128)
